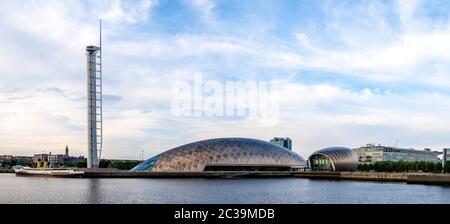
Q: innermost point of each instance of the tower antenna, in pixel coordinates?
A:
(100, 34)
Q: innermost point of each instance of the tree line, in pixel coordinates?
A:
(405, 166)
(104, 163)
(118, 164)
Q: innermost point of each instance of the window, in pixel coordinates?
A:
(146, 165)
(320, 163)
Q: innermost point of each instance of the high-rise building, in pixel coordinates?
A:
(370, 154)
(283, 142)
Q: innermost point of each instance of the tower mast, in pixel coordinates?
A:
(94, 93)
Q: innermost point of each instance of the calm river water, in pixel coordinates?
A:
(278, 190)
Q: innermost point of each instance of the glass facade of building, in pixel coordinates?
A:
(320, 163)
(146, 165)
(371, 154)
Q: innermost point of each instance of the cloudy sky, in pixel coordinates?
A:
(351, 72)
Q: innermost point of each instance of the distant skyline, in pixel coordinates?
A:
(350, 72)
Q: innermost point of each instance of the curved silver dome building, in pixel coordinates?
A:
(224, 154)
(334, 159)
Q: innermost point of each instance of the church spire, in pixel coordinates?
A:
(67, 150)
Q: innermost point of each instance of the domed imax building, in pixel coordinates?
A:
(224, 154)
(334, 159)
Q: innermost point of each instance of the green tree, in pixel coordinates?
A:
(403, 166)
(123, 165)
(437, 168)
(104, 163)
(447, 167)
(82, 164)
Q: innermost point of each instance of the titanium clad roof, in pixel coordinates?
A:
(195, 156)
(342, 159)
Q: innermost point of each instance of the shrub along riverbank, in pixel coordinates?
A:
(404, 166)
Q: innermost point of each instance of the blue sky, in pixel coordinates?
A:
(352, 72)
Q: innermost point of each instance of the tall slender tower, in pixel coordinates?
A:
(94, 96)
(66, 151)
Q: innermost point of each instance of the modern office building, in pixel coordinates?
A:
(224, 154)
(283, 142)
(333, 159)
(370, 154)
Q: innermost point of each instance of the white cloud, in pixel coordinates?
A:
(41, 119)
(118, 11)
(406, 10)
(43, 48)
(401, 61)
(206, 8)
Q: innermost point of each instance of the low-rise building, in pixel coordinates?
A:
(40, 158)
(56, 159)
(6, 157)
(370, 154)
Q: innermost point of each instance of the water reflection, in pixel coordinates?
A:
(93, 191)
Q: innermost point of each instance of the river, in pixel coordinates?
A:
(265, 190)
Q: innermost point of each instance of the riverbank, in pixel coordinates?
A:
(410, 178)
(108, 173)
(6, 171)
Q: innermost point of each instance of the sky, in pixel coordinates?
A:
(351, 72)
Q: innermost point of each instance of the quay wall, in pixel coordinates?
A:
(435, 179)
(375, 176)
(411, 178)
(224, 174)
